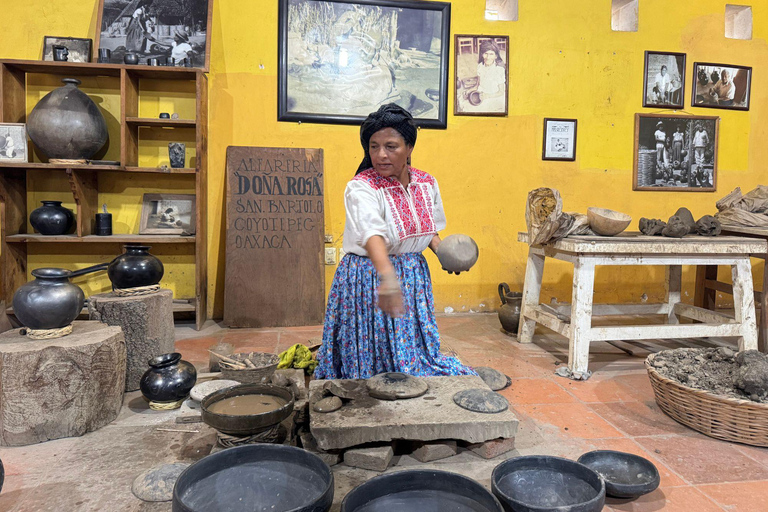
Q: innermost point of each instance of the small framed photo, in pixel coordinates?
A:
(675, 152)
(167, 214)
(482, 86)
(721, 86)
(13, 142)
(559, 139)
(664, 80)
(78, 50)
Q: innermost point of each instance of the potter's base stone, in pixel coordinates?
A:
(433, 416)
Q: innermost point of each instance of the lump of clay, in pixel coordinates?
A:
(708, 226)
(675, 228)
(687, 217)
(652, 227)
(457, 253)
(330, 404)
(752, 376)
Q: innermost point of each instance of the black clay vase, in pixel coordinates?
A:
(52, 218)
(66, 124)
(135, 268)
(50, 301)
(168, 379)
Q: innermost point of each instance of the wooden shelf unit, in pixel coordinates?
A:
(83, 179)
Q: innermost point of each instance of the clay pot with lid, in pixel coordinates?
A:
(135, 268)
(509, 312)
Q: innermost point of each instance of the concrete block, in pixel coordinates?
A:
(435, 450)
(374, 458)
(493, 448)
(308, 443)
(292, 379)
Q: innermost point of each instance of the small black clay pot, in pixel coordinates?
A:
(134, 268)
(52, 218)
(509, 312)
(105, 55)
(168, 379)
(60, 53)
(131, 58)
(50, 301)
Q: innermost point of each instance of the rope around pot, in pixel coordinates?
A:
(266, 436)
(48, 334)
(139, 290)
(165, 406)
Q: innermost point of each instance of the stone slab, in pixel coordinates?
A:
(64, 387)
(431, 417)
(434, 450)
(308, 443)
(373, 458)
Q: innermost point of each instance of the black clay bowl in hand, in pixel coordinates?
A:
(626, 475)
(538, 483)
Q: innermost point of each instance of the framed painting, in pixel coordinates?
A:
(559, 139)
(675, 152)
(340, 60)
(664, 80)
(77, 49)
(721, 86)
(167, 214)
(482, 85)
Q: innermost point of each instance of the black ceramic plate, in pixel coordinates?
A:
(626, 475)
(420, 490)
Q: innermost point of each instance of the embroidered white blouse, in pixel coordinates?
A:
(378, 205)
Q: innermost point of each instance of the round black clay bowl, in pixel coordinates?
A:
(626, 475)
(420, 490)
(538, 483)
(242, 425)
(271, 477)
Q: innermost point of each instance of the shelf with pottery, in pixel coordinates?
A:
(83, 179)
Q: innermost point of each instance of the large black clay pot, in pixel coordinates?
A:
(52, 218)
(134, 268)
(50, 301)
(66, 124)
(168, 379)
(509, 312)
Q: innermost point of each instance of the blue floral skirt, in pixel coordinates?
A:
(360, 340)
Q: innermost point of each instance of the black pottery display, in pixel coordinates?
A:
(67, 125)
(105, 54)
(50, 301)
(104, 222)
(509, 312)
(177, 154)
(169, 378)
(52, 218)
(131, 58)
(153, 61)
(135, 268)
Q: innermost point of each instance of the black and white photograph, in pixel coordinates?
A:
(559, 139)
(167, 214)
(173, 31)
(77, 49)
(675, 152)
(721, 86)
(341, 60)
(481, 75)
(13, 142)
(664, 80)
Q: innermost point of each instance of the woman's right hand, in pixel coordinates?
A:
(390, 295)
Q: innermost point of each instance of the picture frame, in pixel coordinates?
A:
(559, 139)
(708, 82)
(401, 56)
(80, 49)
(167, 214)
(664, 80)
(183, 35)
(675, 153)
(13, 143)
(482, 84)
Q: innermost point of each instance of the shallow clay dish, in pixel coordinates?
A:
(396, 385)
(626, 475)
(607, 222)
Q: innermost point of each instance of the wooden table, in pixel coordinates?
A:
(707, 284)
(574, 321)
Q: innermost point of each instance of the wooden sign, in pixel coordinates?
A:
(275, 226)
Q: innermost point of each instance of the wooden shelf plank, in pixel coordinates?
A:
(97, 69)
(138, 239)
(161, 170)
(61, 167)
(162, 123)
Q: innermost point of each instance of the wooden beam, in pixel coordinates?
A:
(85, 189)
(703, 315)
(549, 320)
(201, 191)
(651, 332)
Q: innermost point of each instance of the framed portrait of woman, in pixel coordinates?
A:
(482, 85)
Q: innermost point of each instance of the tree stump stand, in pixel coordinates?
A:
(147, 323)
(62, 387)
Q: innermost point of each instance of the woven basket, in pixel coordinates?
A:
(266, 364)
(729, 419)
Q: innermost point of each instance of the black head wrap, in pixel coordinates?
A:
(388, 116)
(489, 45)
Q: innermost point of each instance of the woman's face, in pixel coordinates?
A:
(489, 58)
(389, 152)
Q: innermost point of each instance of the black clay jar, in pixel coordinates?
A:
(50, 301)
(168, 379)
(52, 218)
(135, 268)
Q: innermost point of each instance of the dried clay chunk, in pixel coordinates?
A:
(687, 217)
(652, 227)
(708, 226)
(676, 228)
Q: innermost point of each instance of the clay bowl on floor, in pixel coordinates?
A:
(626, 475)
(607, 222)
(246, 424)
(538, 483)
(276, 478)
(420, 490)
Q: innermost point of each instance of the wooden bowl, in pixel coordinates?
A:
(607, 222)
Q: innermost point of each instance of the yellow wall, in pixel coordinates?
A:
(564, 62)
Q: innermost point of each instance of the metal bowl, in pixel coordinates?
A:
(243, 425)
(626, 475)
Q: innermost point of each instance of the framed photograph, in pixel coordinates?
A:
(721, 86)
(559, 139)
(13, 142)
(664, 80)
(78, 50)
(163, 29)
(340, 60)
(675, 152)
(481, 75)
(167, 214)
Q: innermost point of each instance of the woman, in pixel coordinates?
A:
(492, 79)
(677, 144)
(380, 313)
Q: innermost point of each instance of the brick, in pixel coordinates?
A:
(375, 458)
(427, 452)
(493, 448)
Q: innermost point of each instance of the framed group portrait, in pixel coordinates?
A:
(664, 80)
(482, 85)
(167, 214)
(675, 152)
(721, 86)
(340, 60)
(559, 139)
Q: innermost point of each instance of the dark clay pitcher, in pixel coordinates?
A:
(509, 312)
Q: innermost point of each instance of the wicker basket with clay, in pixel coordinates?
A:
(729, 419)
(249, 368)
